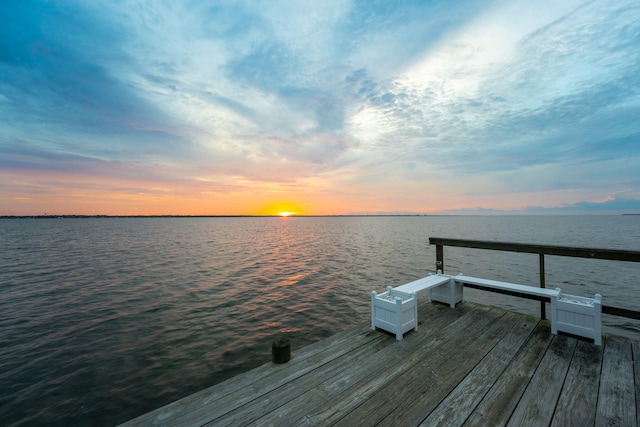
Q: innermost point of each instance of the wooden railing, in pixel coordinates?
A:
(542, 250)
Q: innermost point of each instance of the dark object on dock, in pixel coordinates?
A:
(281, 351)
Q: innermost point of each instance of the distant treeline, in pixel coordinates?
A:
(193, 216)
(121, 216)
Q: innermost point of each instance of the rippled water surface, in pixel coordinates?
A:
(103, 319)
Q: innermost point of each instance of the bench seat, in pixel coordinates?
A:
(571, 314)
(440, 286)
(543, 294)
(424, 283)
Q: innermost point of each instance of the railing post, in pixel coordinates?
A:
(543, 308)
(440, 258)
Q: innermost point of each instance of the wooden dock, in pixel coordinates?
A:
(472, 365)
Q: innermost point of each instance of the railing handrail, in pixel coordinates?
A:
(570, 251)
(542, 250)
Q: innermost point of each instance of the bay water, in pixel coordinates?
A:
(103, 319)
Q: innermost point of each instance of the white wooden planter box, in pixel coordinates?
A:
(578, 316)
(394, 311)
(449, 293)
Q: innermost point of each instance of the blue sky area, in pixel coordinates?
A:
(320, 107)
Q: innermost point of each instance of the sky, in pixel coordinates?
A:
(332, 107)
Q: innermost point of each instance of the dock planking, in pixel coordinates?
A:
(472, 365)
(616, 400)
(466, 396)
(577, 402)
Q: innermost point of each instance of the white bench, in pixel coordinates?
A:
(441, 288)
(396, 310)
(543, 294)
(569, 313)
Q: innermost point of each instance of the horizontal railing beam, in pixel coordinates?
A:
(608, 254)
(622, 312)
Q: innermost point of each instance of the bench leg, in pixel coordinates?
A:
(398, 320)
(373, 310)
(554, 314)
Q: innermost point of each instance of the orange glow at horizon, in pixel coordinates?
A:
(68, 194)
(282, 209)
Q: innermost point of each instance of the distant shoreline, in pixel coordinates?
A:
(206, 216)
(265, 216)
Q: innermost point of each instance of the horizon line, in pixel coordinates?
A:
(54, 216)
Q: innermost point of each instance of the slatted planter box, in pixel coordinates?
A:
(578, 316)
(394, 311)
(449, 293)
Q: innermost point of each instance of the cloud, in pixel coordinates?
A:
(472, 105)
(519, 103)
(56, 79)
(613, 204)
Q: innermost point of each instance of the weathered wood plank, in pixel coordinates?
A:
(448, 373)
(496, 407)
(616, 402)
(403, 389)
(283, 395)
(578, 399)
(259, 390)
(306, 359)
(537, 404)
(459, 404)
(333, 389)
(405, 356)
(249, 403)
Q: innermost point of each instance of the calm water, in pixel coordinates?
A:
(104, 319)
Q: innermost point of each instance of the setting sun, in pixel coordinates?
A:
(282, 209)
